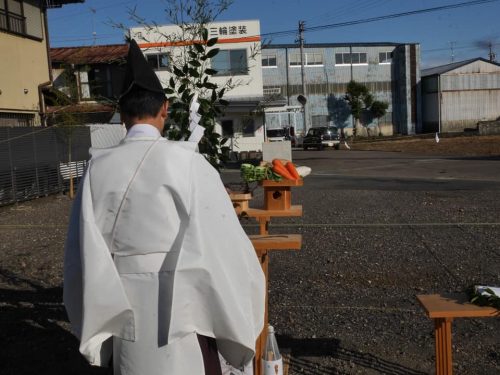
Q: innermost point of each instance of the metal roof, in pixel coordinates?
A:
(333, 45)
(104, 54)
(82, 108)
(59, 3)
(441, 69)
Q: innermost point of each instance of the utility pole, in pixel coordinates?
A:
(491, 54)
(452, 51)
(302, 71)
(94, 34)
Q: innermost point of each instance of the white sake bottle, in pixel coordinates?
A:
(272, 362)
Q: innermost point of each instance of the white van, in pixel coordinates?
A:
(281, 134)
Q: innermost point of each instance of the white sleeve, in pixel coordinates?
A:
(218, 271)
(93, 295)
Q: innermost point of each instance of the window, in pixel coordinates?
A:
(11, 16)
(362, 58)
(275, 133)
(269, 61)
(230, 62)
(342, 58)
(355, 58)
(248, 126)
(99, 78)
(314, 59)
(159, 61)
(295, 59)
(227, 128)
(16, 119)
(385, 57)
(21, 17)
(3, 16)
(311, 59)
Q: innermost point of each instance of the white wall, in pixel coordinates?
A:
(470, 94)
(470, 106)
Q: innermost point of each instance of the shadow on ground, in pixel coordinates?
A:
(492, 157)
(301, 350)
(34, 339)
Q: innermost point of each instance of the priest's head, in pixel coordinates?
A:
(142, 100)
(141, 106)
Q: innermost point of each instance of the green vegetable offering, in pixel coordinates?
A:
(260, 173)
(247, 172)
(251, 173)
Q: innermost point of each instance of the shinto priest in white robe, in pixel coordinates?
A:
(155, 254)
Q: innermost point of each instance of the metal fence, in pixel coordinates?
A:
(36, 162)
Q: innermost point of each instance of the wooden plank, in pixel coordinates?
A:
(276, 241)
(286, 363)
(294, 211)
(454, 306)
(240, 201)
(269, 183)
(240, 196)
(261, 340)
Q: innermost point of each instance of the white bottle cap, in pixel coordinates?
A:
(270, 329)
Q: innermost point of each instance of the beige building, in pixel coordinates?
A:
(24, 65)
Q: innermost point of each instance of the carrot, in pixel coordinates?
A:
(293, 171)
(283, 172)
(280, 169)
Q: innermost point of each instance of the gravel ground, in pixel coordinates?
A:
(344, 304)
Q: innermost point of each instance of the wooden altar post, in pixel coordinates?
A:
(277, 203)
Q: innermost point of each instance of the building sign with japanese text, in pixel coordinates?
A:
(241, 31)
(220, 31)
(234, 29)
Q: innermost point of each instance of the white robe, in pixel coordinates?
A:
(155, 254)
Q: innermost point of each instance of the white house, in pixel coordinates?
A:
(239, 60)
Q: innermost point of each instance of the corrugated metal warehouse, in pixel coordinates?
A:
(469, 92)
(391, 71)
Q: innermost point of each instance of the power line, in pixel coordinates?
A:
(84, 39)
(359, 6)
(91, 10)
(469, 46)
(353, 22)
(66, 36)
(403, 14)
(380, 18)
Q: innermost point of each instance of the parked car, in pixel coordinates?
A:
(322, 136)
(286, 133)
(276, 135)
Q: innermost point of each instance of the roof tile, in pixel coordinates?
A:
(104, 54)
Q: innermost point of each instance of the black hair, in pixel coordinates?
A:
(140, 103)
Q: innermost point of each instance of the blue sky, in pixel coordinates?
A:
(466, 29)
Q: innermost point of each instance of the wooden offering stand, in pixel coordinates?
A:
(277, 203)
(240, 201)
(443, 309)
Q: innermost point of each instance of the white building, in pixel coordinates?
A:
(239, 60)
